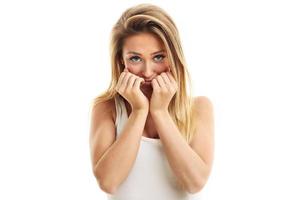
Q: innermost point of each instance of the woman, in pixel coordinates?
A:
(149, 138)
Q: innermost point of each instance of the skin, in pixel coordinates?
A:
(145, 64)
(113, 159)
(145, 56)
(191, 162)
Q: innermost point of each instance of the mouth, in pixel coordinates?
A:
(147, 83)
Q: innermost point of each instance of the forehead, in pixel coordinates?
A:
(143, 43)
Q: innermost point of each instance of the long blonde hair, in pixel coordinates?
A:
(153, 19)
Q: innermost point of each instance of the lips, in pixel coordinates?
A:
(147, 83)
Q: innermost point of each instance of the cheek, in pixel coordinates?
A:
(133, 68)
(137, 68)
(162, 67)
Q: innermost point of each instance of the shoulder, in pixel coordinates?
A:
(203, 112)
(104, 109)
(203, 139)
(202, 104)
(200, 99)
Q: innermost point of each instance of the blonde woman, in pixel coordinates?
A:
(150, 139)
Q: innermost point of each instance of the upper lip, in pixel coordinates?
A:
(148, 80)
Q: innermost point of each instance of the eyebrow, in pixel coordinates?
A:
(132, 52)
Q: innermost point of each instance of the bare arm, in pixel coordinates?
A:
(191, 163)
(116, 162)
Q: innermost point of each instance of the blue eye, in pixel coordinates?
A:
(133, 58)
(159, 56)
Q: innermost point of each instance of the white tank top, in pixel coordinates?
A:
(151, 177)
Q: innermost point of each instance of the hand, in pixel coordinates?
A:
(164, 88)
(129, 87)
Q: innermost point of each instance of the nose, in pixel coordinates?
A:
(147, 71)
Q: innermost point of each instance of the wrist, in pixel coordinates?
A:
(159, 111)
(142, 111)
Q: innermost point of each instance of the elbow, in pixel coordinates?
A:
(105, 185)
(107, 188)
(198, 183)
(196, 187)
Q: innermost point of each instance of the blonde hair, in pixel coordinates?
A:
(153, 19)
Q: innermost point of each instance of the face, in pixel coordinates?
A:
(145, 56)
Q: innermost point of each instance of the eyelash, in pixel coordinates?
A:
(135, 57)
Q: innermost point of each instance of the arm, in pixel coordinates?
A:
(191, 164)
(112, 166)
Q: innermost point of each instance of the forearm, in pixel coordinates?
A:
(187, 165)
(116, 163)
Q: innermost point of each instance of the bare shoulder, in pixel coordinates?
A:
(105, 109)
(202, 104)
(106, 105)
(102, 129)
(102, 120)
(203, 140)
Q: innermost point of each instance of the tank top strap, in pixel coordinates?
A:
(121, 114)
(118, 111)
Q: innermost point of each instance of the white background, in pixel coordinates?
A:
(243, 55)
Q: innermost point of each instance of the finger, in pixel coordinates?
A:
(171, 78)
(173, 81)
(166, 78)
(155, 85)
(161, 82)
(124, 82)
(126, 69)
(137, 83)
(131, 81)
(120, 80)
